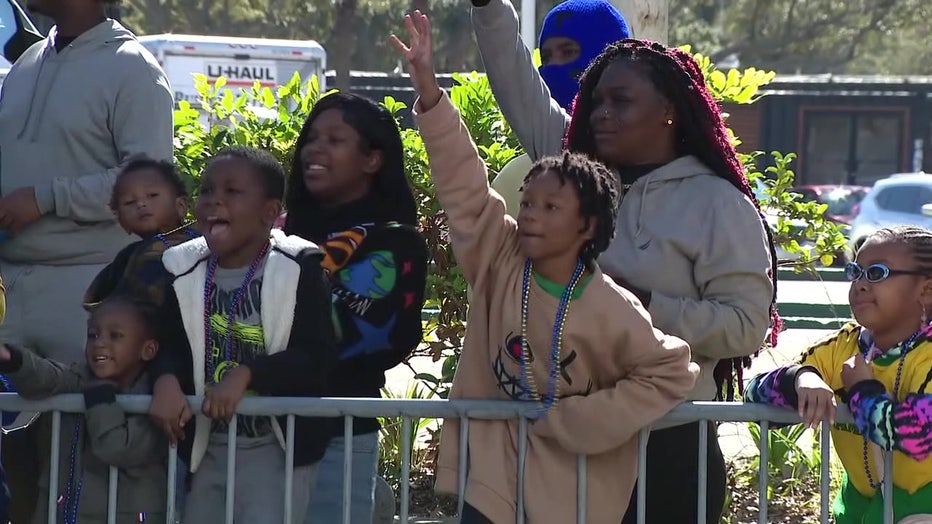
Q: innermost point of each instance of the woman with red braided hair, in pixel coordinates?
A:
(690, 241)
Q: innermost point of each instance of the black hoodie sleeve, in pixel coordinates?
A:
(174, 355)
(302, 369)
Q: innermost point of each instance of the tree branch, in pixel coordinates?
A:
(778, 44)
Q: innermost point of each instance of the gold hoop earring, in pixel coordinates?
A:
(924, 319)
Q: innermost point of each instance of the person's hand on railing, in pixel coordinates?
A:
(419, 55)
(221, 400)
(169, 408)
(816, 399)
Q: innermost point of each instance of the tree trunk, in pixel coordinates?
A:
(152, 16)
(462, 51)
(343, 40)
(199, 17)
(649, 19)
(227, 19)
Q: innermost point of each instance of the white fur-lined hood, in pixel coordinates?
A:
(180, 259)
(278, 301)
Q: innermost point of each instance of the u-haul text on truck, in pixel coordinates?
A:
(242, 61)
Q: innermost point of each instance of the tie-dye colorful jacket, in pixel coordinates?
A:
(903, 424)
(377, 274)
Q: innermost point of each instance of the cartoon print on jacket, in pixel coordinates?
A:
(510, 382)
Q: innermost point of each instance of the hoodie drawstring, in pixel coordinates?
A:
(102, 34)
(646, 182)
(35, 91)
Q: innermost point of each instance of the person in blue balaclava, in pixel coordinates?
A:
(537, 102)
(573, 34)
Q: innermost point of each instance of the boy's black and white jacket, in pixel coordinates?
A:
(300, 356)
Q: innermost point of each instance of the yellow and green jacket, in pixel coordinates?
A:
(902, 423)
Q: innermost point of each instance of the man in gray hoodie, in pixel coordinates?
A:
(73, 108)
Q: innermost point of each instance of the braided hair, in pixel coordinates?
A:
(597, 189)
(700, 132)
(917, 239)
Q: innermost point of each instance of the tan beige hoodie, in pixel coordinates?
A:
(698, 244)
(618, 373)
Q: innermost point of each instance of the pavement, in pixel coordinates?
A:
(808, 292)
(734, 437)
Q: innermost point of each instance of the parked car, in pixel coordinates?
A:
(842, 205)
(843, 201)
(17, 33)
(902, 199)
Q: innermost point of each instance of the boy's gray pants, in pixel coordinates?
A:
(260, 484)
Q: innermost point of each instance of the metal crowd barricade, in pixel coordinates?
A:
(465, 410)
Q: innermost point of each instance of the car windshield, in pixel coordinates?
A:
(839, 201)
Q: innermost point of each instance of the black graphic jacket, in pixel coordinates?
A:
(378, 272)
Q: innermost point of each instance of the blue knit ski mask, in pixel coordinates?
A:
(593, 24)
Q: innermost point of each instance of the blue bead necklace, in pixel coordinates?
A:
(528, 384)
(72, 496)
(216, 367)
(905, 347)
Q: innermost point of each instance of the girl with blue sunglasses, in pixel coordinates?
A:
(881, 367)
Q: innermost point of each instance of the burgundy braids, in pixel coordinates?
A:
(701, 132)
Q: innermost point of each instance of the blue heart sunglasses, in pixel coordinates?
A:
(875, 272)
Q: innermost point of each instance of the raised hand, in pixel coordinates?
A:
(419, 57)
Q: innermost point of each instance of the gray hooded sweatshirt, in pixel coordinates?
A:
(524, 98)
(67, 121)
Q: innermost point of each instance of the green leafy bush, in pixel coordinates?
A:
(393, 435)
(224, 119)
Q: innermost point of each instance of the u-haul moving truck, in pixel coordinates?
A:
(241, 60)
